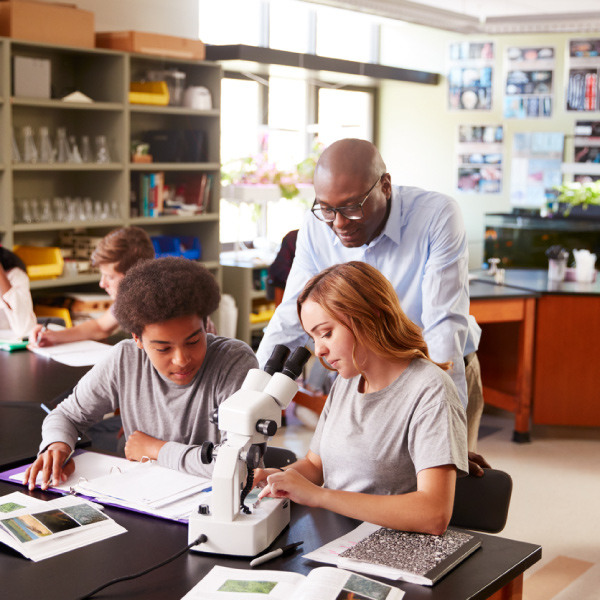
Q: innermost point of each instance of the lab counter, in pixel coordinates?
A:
(539, 348)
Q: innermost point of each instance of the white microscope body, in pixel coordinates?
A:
(248, 417)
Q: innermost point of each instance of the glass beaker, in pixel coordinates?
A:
(63, 154)
(75, 156)
(30, 153)
(102, 153)
(45, 146)
(86, 149)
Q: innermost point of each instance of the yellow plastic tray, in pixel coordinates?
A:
(149, 92)
(263, 315)
(41, 262)
(53, 311)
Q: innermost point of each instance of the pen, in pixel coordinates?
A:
(263, 558)
(44, 328)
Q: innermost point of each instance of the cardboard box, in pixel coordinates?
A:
(151, 43)
(31, 77)
(47, 23)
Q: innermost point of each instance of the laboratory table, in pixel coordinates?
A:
(543, 360)
(494, 571)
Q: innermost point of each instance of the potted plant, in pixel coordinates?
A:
(584, 197)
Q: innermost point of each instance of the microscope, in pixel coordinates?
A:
(248, 418)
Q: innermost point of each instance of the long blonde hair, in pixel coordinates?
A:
(360, 298)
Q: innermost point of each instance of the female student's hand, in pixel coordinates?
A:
(40, 337)
(260, 476)
(141, 445)
(51, 463)
(291, 484)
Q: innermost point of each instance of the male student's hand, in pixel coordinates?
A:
(52, 465)
(141, 445)
(476, 464)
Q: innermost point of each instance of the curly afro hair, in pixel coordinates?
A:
(154, 291)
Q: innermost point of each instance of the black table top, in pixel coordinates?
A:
(29, 377)
(486, 289)
(148, 541)
(536, 280)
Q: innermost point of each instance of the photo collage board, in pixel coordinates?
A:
(528, 91)
(586, 151)
(480, 156)
(584, 68)
(470, 75)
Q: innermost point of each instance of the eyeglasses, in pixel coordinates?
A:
(354, 212)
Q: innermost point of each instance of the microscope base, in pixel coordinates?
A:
(246, 535)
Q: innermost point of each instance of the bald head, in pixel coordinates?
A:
(359, 159)
(352, 173)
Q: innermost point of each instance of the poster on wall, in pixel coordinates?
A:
(584, 67)
(528, 91)
(535, 168)
(470, 76)
(586, 152)
(479, 151)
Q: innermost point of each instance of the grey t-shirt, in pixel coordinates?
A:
(153, 404)
(377, 443)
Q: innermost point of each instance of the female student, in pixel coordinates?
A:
(16, 306)
(392, 436)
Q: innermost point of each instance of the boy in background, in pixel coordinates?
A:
(115, 254)
(167, 380)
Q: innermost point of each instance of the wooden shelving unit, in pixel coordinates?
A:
(103, 76)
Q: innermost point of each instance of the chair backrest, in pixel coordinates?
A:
(482, 503)
(278, 457)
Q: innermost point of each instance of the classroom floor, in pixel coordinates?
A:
(555, 501)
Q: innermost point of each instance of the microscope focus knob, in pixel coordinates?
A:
(266, 426)
(214, 417)
(206, 452)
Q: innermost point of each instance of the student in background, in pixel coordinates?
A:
(115, 254)
(16, 305)
(392, 436)
(167, 381)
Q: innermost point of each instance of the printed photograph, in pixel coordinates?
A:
(85, 514)
(349, 595)
(367, 588)
(56, 520)
(25, 528)
(248, 587)
(10, 507)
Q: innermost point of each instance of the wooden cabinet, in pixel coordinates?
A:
(104, 77)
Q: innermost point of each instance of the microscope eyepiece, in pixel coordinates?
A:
(295, 363)
(277, 360)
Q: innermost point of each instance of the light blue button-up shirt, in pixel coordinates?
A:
(422, 251)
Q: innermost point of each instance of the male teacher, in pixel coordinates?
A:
(416, 238)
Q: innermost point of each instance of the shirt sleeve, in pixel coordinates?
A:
(446, 294)
(284, 327)
(17, 305)
(94, 396)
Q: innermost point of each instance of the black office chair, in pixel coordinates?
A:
(278, 457)
(482, 503)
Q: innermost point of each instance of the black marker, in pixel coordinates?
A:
(263, 558)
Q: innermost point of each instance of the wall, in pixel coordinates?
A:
(170, 17)
(418, 133)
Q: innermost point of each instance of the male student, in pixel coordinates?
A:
(167, 380)
(115, 254)
(416, 238)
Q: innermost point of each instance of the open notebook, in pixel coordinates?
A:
(142, 487)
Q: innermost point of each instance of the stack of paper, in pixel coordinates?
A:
(75, 354)
(39, 529)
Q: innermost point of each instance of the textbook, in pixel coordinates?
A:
(39, 529)
(324, 583)
(414, 557)
(142, 487)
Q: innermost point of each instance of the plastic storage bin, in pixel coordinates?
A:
(149, 92)
(187, 246)
(41, 262)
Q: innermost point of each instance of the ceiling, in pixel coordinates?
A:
(485, 16)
